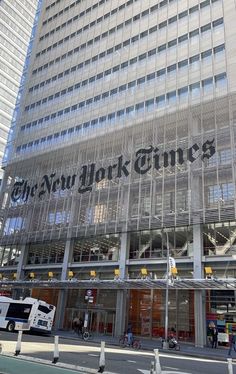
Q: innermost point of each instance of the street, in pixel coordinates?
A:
(120, 361)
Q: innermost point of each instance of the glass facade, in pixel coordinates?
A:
(15, 29)
(152, 244)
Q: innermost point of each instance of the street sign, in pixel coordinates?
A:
(22, 326)
(89, 292)
(172, 262)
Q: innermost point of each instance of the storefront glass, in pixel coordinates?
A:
(220, 313)
(99, 308)
(147, 313)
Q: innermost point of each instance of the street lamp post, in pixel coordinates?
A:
(165, 343)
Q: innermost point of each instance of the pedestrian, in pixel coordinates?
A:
(129, 334)
(214, 340)
(80, 326)
(75, 324)
(232, 343)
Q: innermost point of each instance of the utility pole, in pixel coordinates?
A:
(166, 343)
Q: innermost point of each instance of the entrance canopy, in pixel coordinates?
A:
(214, 284)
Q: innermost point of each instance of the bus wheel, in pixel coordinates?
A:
(11, 326)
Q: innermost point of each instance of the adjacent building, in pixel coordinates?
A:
(16, 21)
(123, 154)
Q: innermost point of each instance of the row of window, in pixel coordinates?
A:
(106, 73)
(137, 17)
(53, 4)
(132, 40)
(168, 202)
(86, 11)
(173, 43)
(152, 104)
(161, 4)
(98, 20)
(221, 192)
(148, 78)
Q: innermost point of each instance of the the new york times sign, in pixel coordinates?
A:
(145, 159)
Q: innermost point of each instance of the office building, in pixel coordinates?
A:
(16, 21)
(123, 155)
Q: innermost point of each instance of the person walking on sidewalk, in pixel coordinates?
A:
(232, 343)
(214, 337)
(130, 334)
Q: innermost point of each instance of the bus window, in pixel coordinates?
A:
(44, 309)
(19, 311)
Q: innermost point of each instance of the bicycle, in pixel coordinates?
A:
(85, 334)
(135, 343)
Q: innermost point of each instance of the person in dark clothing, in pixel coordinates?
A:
(80, 326)
(75, 323)
(214, 337)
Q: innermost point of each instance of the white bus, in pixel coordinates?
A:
(28, 314)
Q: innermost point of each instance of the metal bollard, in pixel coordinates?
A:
(56, 350)
(230, 365)
(157, 362)
(152, 370)
(102, 358)
(18, 343)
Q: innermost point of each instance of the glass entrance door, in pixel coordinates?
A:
(102, 321)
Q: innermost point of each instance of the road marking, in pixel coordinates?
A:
(189, 358)
(175, 372)
(170, 368)
(163, 372)
(133, 362)
(92, 354)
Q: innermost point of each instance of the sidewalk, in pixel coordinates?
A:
(188, 349)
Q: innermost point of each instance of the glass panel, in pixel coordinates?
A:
(103, 248)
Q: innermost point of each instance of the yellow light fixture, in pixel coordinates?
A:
(50, 274)
(208, 270)
(144, 272)
(92, 273)
(117, 272)
(70, 274)
(31, 275)
(174, 271)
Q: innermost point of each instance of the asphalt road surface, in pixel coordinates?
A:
(120, 361)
